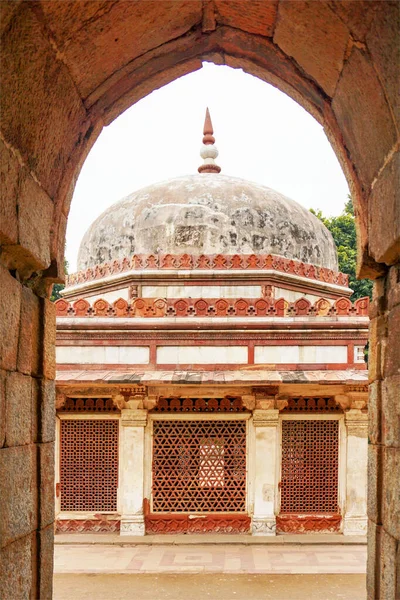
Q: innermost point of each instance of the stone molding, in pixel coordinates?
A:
(263, 526)
(132, 525)
(356, 423)
(133, 417)
(355, 525)
(265, 418)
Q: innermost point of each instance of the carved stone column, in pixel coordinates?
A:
(132, 447)
(355, 518)
(266, 430)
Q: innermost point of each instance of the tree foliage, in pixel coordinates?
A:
(57, 287)
(343, 230)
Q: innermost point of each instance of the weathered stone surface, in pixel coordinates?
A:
(9, 175)
(393, 298)
(374, 412)
(42, 113)
(364, 117)
(35, 221)
(3, 375)
(18, 492)
(45, 560)
(258, 17)
(10, 305)
(207, 214)
(391, 411)
(356, 15)
(304, 30)
(374, 499)
(116, 35)
(391, 359)
(378, 344)
(46, 484)
(18, 409)
(373, 559)
(389, 567)
(383, 43)
(16, 572)
(47, 411)
(384, 214)
(30, 308)
(49, 339)
(391, 485)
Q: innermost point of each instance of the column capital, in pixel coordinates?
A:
(265, 418)
(356, 422)
(133, 418)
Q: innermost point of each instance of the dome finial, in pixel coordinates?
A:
(208, 151)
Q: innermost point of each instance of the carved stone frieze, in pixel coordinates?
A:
(249, 401)
(356, 423)
(263, 526)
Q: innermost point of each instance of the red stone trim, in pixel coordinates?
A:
(210, 261)
(101, 525)
(293, 523)
(312, 405)
(172, 523)
(211, 307)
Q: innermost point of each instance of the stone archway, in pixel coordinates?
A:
(70, 68)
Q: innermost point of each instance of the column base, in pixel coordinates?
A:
(132, 525)
(355, 525)
(263, 526)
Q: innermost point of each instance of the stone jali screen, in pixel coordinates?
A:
(199, 466)
(89, 465)
(310, 457)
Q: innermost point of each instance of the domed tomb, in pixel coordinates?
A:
(208, 213)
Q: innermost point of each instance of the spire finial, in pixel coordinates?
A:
(208, 152)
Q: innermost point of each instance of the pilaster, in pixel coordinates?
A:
(133, 422)
(355, 517)
(266, 431)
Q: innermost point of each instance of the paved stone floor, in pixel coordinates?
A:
(209, 587)
(233, 559)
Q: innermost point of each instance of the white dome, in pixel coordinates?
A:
(207, 213)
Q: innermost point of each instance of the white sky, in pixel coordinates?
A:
(262, 135)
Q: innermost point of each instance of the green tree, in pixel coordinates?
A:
(57, 287)
(343, 230)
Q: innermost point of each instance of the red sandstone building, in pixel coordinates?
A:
(211, 375)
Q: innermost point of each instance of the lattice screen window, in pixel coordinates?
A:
(310, 466)
(199, 466)
(89, 465)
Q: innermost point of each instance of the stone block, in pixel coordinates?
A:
(391, 491)
(391, 411)
(35, 222)
(384, 214)
(374, 412)
(16, 582)
(374, 499)
(383, 44)
(46, 560)
(10, 306)
(49, 339)
(26, 345)
(47, 411)
(356, 15)
(18, 492)
(377, 342)
(391, 359)
(393, 282)
(304, 30)
(46, 484)
(18, 409)
(388, 573)
(373, 559)
(258, 18)
(364, 117)
(36, 340)
(42, 113)
(9, 170)
(3, 375)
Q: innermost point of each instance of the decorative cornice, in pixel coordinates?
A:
(189, 262)
(211, 307)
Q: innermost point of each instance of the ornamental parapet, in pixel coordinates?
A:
(212, 307)
(209, 262)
